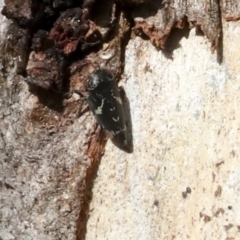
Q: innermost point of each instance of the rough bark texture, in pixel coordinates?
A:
(164, 17)
(231, 9)
(182, 180)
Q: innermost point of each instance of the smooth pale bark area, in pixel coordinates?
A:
(186, 131)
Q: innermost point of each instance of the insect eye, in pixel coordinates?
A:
(93, 82)
(99, 85)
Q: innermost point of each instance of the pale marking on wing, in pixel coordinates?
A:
(99, 109)
(116, 119)
(119, 99)
(115, 133)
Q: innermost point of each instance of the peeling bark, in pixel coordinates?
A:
(231, 9)
(50, 149)
(171, 14)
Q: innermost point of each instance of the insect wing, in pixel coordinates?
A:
(107, 108)
(106, 104)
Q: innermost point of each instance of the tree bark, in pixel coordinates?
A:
(179, 65)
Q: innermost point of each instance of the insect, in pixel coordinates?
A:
(107, 106)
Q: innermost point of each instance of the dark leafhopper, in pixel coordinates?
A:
(107, 106)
